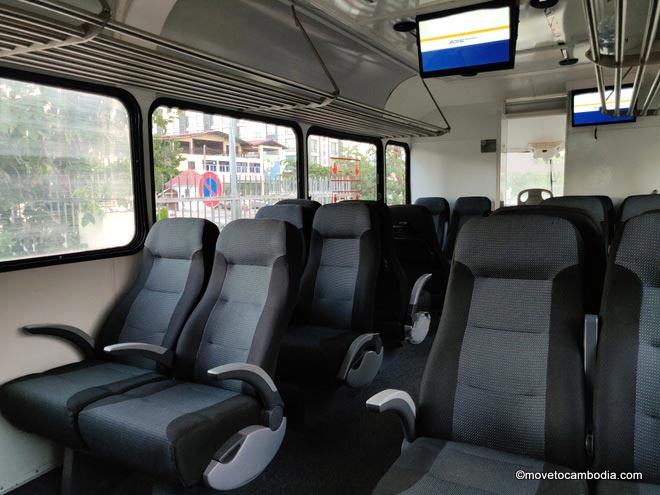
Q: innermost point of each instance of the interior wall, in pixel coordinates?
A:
(453, 165)
(78, 294)
(624, 160)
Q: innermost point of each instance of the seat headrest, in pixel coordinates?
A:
(291, 213)
(257, 242)
(636, 205)
(348, 219)
(590, 204)
(305, 203)
(180, 238)
(638, 247)
(533, 247)
(435, 205)
(472, 205)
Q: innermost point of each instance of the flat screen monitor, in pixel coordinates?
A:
(587, 106)
(468, 40)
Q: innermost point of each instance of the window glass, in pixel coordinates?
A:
(66, 182)
(199, 173)
(395, 174)
(523, 171)
(341, 169)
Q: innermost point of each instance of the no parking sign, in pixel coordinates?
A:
(210, 187)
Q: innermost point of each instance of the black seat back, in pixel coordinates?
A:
(339, 281)
(418, 249)
(591, 204)
(439, 208)
(636, 205)
(505, 369)
(610, 213)
(248, 302)
(176, 264)
(627, 394)
(296, 215)
(392, 291)
(595, 262)
(308, 204)
(465, 209)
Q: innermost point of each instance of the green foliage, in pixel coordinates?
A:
(167, 151)
(54, 143)
(395, 175)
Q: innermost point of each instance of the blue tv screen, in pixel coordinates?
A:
(468, 40)
(587, 107)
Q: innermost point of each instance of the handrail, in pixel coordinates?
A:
(650, 32)
(182, 72)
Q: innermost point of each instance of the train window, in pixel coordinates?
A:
(220, 167)
(396, 174)
(66, 178)
(341, 169)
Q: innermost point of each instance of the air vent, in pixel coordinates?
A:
(536, 105)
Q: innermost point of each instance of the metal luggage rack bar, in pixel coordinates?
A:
(619, 61)
(88, 51)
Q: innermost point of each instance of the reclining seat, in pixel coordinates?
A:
(465, 209)
(503, 388)
(627, 391)
(636, 205)
(591, 204)
(176, 264)
(331, 339)
(439, 208)
(296, 215)
(419, 252)
(392, 292)
(594, 247)
(220, 418)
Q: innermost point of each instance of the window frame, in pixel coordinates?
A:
(137, 172)
(406, 147)
(217, 110)
(380, 153)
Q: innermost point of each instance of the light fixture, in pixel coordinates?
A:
(543, 4)
(567, 58)
(405, 26)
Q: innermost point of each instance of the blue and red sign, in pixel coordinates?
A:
(210, 187)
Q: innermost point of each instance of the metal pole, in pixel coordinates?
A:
(619, 48)
(647, 46)
(235, 206)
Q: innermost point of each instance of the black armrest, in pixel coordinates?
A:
(362, 360)
(399, 402)
(83, 341)
(261, 382)
(159, 354)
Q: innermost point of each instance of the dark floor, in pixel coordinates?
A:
(346, 453)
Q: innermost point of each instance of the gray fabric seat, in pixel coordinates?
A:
(627, 395)
(176, 264)
(433, 466)
(337, 294)
(171, 429)
(503, 386)
(465, 209)
(298, 216)
(636, 205)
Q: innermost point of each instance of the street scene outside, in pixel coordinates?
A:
(67, 183)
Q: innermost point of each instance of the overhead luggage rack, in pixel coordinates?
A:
(97, 49)
(614, 57)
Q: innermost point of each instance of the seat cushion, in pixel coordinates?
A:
(431, 466)
(48, 403)
(312, 355)
(626, 488)
(169, 429)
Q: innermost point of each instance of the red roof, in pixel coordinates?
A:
(187, 178)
